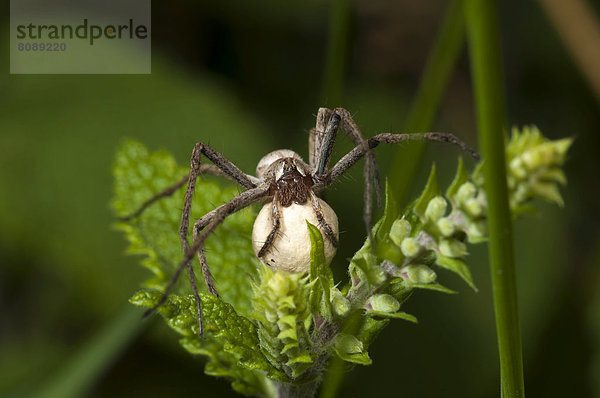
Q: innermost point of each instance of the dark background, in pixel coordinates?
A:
(246, 77)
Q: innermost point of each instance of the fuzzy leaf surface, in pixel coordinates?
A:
(231, 341)
(140, 174)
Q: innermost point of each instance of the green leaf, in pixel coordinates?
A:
(555, 175)
(390, 214)
(548, 191)
(368, 264)
(399, 289)
(431, 190)
(350, 349)
(220, 320)
(385, 248)
(321, 277)
(369, 329)
(231, 341)
(393, 315)
(460, 178)
(457, 266)
(224, 364)
(432, 286)
(139, 174)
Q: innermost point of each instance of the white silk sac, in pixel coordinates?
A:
(290, 250)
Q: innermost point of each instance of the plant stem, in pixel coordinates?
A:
(306, 390)
(438, 70)
(337, 49)
(483, 38)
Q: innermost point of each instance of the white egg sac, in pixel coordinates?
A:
(290, 250)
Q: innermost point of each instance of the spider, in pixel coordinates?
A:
(290, 187)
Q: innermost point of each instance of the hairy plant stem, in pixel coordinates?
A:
(306, 385)
(306, 390)
(483, 37)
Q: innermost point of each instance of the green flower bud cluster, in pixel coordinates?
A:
(533, 167)
(435, 229)
(437, 235)
(281, 309)
(468, 215)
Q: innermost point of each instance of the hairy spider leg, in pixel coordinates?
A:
(195, 166)
(323, 139)
(237, 203)
(210, 284)
(170, 190)
(326, 147)
(314, 200)
(371, 171)
(276, 219)
(359, 151)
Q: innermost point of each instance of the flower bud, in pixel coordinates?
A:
(418, 273)
(446, 226)
(477, 229)
(516, 168)
(532, 159)
(383, 303)
(465, 192)
(400, 230)
(341, 305)
(377, 275)
(348, 344)
(436, 208)
(474, 207)
(410, 247)
(279, 284)
(453, 248)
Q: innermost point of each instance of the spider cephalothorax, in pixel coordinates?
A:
(289, 178)
(289, 185)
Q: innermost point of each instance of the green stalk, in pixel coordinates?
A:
(438, 70)
(484, 46)
(337, 51)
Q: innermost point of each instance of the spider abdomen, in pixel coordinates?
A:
(290, 249)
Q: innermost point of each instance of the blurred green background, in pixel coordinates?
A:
(247, 77)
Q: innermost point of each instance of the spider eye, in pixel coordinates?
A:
(272, 157)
